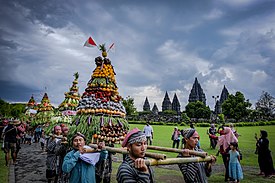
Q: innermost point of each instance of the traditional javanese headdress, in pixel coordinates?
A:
(133, 136)
(78, 134)
(187, 133)
(226, 138)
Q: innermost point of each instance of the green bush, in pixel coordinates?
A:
(182, 124)
(203, 125)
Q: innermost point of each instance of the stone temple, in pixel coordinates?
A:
(197, 93)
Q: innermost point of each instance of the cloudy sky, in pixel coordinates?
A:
(159, 46)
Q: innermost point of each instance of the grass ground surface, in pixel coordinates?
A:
(4, 171)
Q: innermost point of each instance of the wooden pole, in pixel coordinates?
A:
(124, 151)
(170, 161)
(166, 149)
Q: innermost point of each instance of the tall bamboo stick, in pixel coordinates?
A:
(169, 161)
(166, 149)
(124, 151)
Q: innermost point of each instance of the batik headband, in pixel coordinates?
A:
(137, 137)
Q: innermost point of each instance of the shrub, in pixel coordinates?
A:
(203, 125)
(182, 124)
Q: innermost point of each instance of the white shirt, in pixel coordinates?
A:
(148, 130)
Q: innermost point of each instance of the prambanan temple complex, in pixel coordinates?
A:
(196, 94)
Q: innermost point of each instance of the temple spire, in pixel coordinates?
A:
(146, 105)
(176, 104)
(166, 104)
(155, 109)
(197, 93)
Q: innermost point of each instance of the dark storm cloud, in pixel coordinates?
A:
(160, 46)
(13, 91)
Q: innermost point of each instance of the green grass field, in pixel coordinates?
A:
(247, 142)
(162, 136)
(4, 171)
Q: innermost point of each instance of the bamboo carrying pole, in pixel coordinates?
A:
(124, 151)
(191, 152)
(169, 161)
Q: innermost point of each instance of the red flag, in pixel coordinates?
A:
(90, 43)
(112, 46)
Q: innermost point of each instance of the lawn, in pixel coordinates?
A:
(162, 137)
(4, 171)
(247, 142)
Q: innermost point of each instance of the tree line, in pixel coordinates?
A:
(236, 107)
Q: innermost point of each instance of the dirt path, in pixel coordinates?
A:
(31, 164)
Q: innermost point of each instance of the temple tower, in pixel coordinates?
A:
(176, 104)
(155, 109)
(224, 96)
(146, 105)
(166, 104)
(197, 93)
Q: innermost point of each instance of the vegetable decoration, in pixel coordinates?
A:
(100, 113)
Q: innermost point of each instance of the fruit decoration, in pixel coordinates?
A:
(100, 113)
(45, 111)
(31, 107)
(67, 109)
(71, 101)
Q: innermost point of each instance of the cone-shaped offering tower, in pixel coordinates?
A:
(45, 111)
(71, 101)
(31, 108)
(32, 104)
(100, 113)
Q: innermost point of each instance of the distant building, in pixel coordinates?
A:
(223, 97)
(155, 109)
(166, 104)
(176, 104)
(146, 105)
(197, 93)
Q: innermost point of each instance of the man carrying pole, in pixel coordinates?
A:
(133, 168)
(195, 171)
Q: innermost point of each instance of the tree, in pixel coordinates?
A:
(11, 110)
(198, 110)
(265, 105)
(235, 106)
(128, 103)
(185, 118)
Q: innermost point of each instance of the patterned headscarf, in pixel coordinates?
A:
(134, 136)
(227, 138)
(78, 134)
(187, 133)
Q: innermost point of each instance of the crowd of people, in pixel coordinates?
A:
(71, 160)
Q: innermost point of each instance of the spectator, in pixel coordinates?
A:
(234, 168)
(227, 136)
(264, 155)
(198, 171)
(175, 138)
(10, 133)
(133, 168)
(37, 133)
(3, 126)
(212, 134)
(231, 125)
(148, 130)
